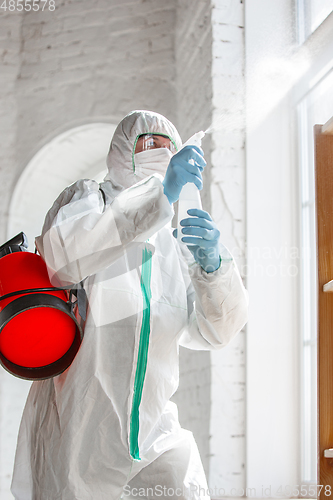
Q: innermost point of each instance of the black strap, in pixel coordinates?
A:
(82, 301)
(30, 290)
(103, 195)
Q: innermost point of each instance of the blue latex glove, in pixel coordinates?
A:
(202, 239)
(180, 171)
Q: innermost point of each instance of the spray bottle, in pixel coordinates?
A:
(189, 196)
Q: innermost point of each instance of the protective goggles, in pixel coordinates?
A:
(154, 141)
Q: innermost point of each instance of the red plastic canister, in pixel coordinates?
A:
(39, 334)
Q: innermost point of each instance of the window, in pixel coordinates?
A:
(311, 13)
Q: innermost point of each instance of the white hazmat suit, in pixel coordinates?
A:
(105, 429)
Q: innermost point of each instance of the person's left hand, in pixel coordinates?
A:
(202, 239)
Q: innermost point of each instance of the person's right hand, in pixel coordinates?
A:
(180, 171)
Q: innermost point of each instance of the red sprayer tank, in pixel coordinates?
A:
(39, 332)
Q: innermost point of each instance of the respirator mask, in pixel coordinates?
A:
(153, 153)
(152, 161)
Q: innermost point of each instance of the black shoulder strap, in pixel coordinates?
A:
(103, 195)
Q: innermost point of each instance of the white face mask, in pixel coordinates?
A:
(152, 161)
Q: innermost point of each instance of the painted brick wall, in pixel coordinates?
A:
(193, 50)
(209, 49)
(84, 60)
(10, 29)
(227, 463)
(184, 59)
(10, 45)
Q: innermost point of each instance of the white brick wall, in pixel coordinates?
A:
(10, 28)
(184, 59)
(10, 45)
(82, 60)
(65, 68)
(227, 464)
(93, 59)
(193, 50)
(210, 86)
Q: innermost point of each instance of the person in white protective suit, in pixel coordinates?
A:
(105, 429)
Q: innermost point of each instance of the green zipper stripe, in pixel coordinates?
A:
(142, 354)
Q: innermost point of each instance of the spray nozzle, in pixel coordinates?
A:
(195, 139)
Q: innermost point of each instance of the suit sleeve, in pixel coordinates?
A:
(81, 235)
(217, 304)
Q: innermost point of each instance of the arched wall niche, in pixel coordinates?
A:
(77, 153)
